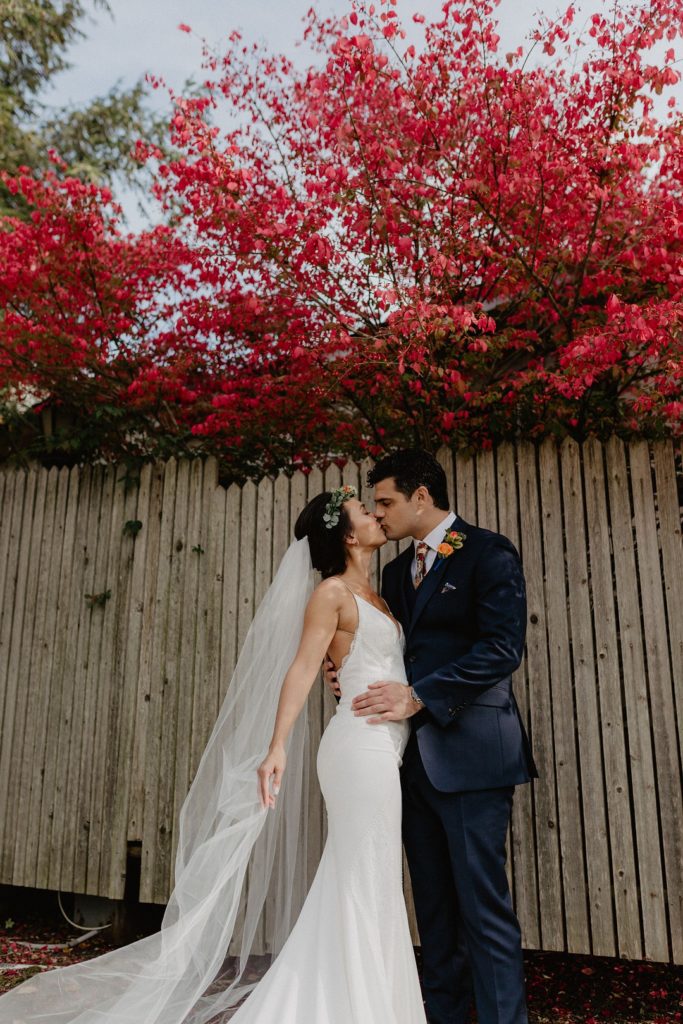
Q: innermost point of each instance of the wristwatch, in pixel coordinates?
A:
(415, 697)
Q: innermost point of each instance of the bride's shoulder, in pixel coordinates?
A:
(331, 587)
(331, 592)
(327, 602)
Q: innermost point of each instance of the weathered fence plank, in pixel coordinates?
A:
(231, 589)
(171, 683)
(64, 672)
(26, 853)
(563, 709)
(150, 516)
(64, 844)
(487, 505)
(65, 527)
(660, 684)
(522, 840)
(7, 581)
(206, 665)
(121, 748)
(621, 828)
(551, 898)
(97, 695)
(150, 889)
(587, 709)
(188, 680)
(669, 512)
(642, 773)
(245, 550)
(465, 487)
(25, 657)
(18, 497)
(109, 685)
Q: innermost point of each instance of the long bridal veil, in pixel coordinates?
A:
(240, 870)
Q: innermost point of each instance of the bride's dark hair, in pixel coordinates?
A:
(328, 552)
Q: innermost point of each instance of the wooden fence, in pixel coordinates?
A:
(124, 602)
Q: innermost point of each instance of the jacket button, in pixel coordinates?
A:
(412, 657)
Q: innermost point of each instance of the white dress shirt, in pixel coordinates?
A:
(433, 539)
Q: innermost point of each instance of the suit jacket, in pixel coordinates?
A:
(465, 628)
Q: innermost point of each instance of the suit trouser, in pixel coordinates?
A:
(471, 940)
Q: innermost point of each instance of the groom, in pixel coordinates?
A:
(459, 593)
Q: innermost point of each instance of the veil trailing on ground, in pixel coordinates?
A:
(240, 871)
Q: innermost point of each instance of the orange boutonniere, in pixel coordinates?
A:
(453, 541)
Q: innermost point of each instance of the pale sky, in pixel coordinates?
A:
(143, 36)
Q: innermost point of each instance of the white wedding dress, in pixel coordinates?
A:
(349, 958)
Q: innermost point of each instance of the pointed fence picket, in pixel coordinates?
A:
(125, 600)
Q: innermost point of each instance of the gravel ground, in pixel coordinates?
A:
(561, 989)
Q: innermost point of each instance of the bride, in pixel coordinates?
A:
(347, 957)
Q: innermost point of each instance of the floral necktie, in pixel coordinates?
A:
(420, 567)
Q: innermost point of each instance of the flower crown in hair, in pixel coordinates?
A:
(333, 507)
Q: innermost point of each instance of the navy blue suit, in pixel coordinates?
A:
(465, 629)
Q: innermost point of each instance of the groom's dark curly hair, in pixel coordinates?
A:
(328, 552)
(412, 468)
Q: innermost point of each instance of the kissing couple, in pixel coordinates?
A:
(423, 753)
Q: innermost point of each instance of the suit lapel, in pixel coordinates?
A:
(426, 589)
(433, 578)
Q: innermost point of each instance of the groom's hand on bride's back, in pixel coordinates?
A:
(330, 677)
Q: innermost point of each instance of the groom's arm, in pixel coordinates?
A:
(500, 609)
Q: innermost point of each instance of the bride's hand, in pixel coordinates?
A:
(273, 767)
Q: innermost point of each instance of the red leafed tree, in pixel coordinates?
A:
(408, 244)
(92, 321)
